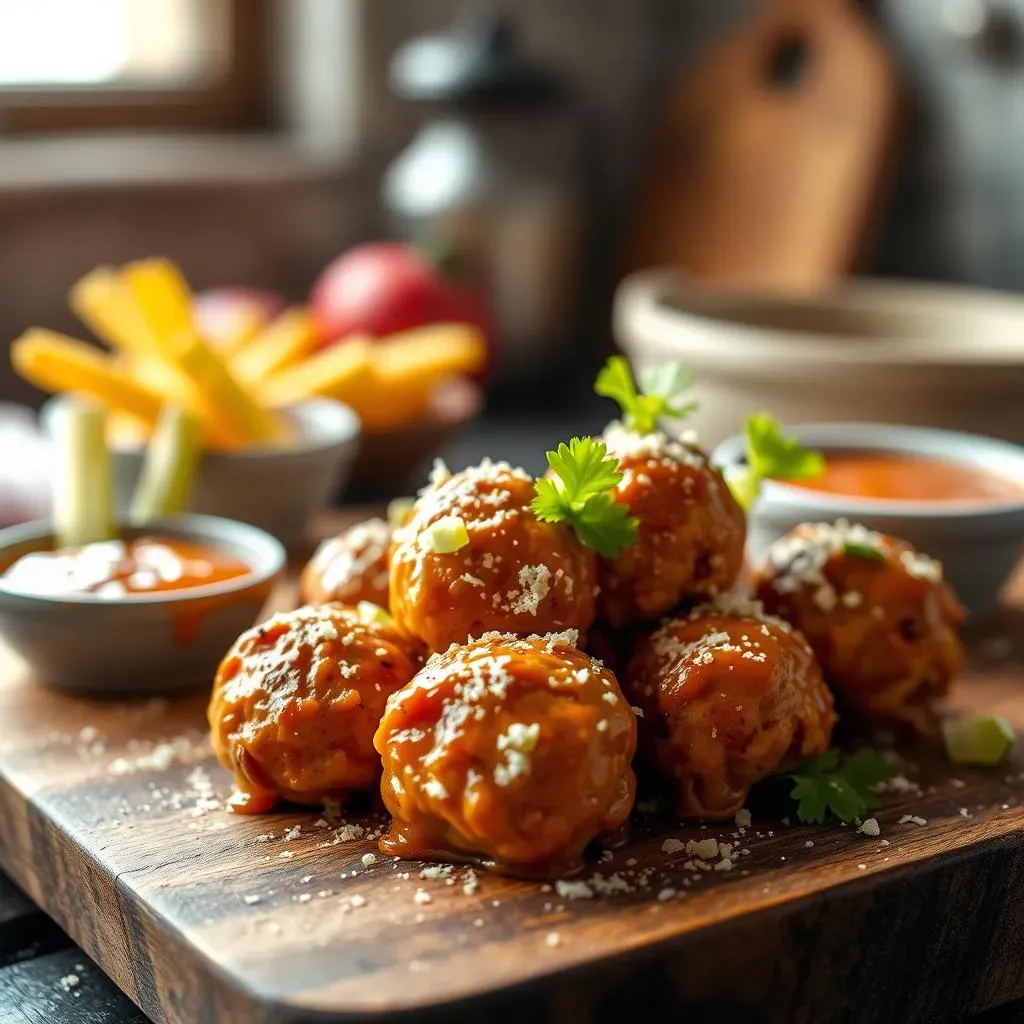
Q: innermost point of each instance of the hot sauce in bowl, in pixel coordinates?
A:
(900, 476)
(119, 569)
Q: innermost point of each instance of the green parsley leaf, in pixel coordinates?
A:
(843, 789)
(663, 390)
(771, 455)
(580, 494)
(857, 550)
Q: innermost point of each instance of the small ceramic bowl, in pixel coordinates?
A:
(868, 351)
(395, 462)
(276, 489)
(147, 644)
(978, 542)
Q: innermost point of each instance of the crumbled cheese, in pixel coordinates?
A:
(368, 859)
(666, 894)
(671, 846)
(534, 581)
(705, 849)
(724, 865)
(571, 890)
(250, 900)
(68, 982)
(435, 788)
(742, 818)
(869, 826)
(653, 447)
(470, 884)
(913, 819)
(516, 744)
(921, 566)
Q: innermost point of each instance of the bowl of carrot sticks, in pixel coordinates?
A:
(278, 419)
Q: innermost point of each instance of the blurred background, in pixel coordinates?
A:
(769, 145)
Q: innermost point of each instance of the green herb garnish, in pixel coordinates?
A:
(580, 494)
(843, 789)
(771, 455)
(855, 549)
(663, 390)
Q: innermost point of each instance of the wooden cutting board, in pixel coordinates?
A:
(111, 819)
(767, 167)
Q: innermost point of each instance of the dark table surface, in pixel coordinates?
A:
(46, 979)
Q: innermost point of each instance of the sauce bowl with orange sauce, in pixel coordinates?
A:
(957, 497)
(150, 614)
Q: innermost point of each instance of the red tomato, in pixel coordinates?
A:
(382, 288)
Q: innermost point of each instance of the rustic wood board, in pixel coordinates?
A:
(772, 152)
(198, 919)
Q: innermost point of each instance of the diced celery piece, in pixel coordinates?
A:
(370, 612)
(745, 485)
(984, 740)
(398, 509)
(448, 534)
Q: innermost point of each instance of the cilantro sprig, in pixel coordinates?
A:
(580, 493)
(662, 393)
(841, 788)
(771, 455)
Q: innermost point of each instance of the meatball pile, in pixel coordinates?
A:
(468, 661)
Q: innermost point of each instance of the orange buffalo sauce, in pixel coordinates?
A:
(116, 569)
(893, 476)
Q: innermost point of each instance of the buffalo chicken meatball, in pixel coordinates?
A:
(515, 751)
(296, 702)
(729, 696)
(878, 615)
(506, 570)
(691, 532)
(350, 568)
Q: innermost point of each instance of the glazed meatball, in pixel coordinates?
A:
(506, 750)
(691, 532)
(296, 702)
(878, 615)
(729, 696)
(514, 574)
(350, 568)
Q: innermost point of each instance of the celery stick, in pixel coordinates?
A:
(169, 469)
(83, 509)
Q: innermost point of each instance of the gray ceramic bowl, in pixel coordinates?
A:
(144, 645)
(978, 543)
(276, 489)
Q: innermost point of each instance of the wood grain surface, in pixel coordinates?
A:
(111, 820)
